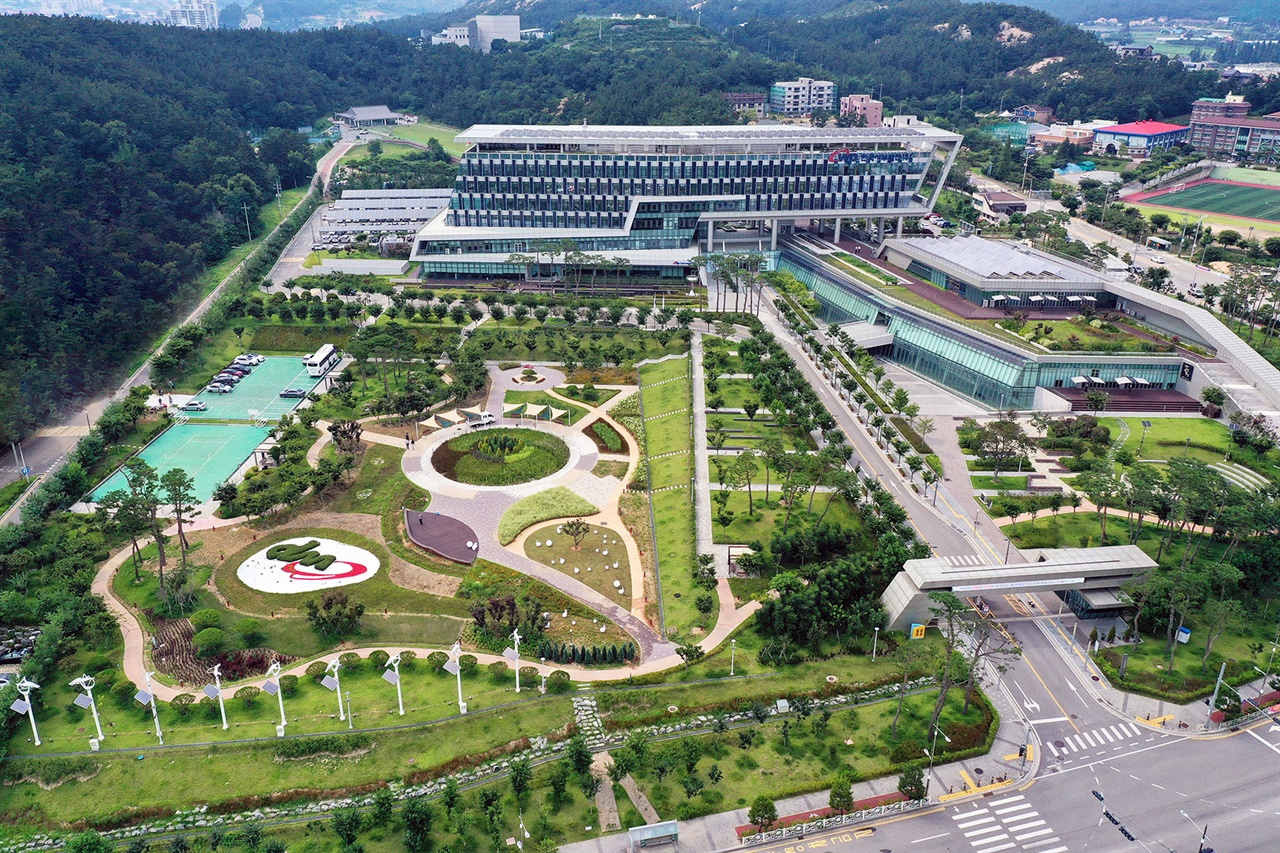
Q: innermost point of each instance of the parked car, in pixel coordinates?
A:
(235, 370)
(293, 393)
(195, 406)
(219, 388)
(227, 379)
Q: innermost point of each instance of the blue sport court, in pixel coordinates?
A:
(210, 453)
(259, 393)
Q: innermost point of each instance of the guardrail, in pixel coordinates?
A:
(800, 830)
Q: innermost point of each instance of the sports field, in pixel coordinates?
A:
(1250, 202)
(258, 394)
(210, 453)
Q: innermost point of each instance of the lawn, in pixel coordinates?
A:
(1002, 483)
(603, 395)
(11, 493)
(215, 774)
(1210, 442)
(542, 398)
(665, 387)
(673, 515)
(768, 517)
(1077, 336)
(500, 457)
(377, 593)
(736, 393)
(1147, 670)
(799, 761)
(424, 131)
(510, 344)
(668, 433)
(1081, 529)
(589, 563)
(742, 431)
(559, 502)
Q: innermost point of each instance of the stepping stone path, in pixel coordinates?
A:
(587, 716)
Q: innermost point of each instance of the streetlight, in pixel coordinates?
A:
(24, 706)
(1204, 836)
(334, 683)
(351, 718)
(85, 700)
(271, 687)
(520, 841)
(543, 688)
(733, 655)
(513, 655)
(875, 642)
(147, 697)
(392, 676)
(453, 667)
(214, 691)
(932, 752)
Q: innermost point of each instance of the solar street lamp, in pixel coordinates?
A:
(214, 691)
(272, 688)
(147, 697)
(453, 667)
(513, 655)
(393, 676)
(334, 683)
(85, 700)
(24, 706)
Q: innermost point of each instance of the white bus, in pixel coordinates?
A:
(322, 360)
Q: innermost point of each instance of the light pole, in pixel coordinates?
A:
(454, 667)
(274, 687)
(87, 682)
(214, 691)
(543, 688)
(733, 655)
(1204, 836)
(394, 677)
(333, 682)
(24, 706)
(351, 718)
(513, 655)
(933, 749)
(875, 642)
(151, 700)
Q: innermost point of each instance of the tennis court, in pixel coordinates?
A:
(258, 394)
(1251, 202)
(209, 453)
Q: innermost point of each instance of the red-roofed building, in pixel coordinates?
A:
(1138, 138)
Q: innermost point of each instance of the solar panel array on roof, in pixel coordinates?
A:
(998, 258)
(690, 134)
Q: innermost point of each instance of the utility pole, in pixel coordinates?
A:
(244, 205)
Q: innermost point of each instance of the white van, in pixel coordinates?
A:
(485, 419)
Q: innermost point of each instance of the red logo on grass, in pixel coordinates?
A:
(305, 574)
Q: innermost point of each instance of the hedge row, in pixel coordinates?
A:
(322, 744)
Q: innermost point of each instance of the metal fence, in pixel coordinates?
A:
(800, 830)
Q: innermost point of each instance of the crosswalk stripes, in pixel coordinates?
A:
(1005, 824)
(964, 560)
(1100, 737)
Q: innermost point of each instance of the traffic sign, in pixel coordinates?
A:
(26, 472)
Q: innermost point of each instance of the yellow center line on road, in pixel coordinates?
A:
(1034, 672)
(976, 535)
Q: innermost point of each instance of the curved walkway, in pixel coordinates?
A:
(483, 510)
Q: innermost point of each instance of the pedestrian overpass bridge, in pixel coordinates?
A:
(1091, 578)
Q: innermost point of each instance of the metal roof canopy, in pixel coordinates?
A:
(649, 835)
(1066, 567)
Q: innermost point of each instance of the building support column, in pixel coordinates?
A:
(773, 235)
(899, 226)
(836, 240)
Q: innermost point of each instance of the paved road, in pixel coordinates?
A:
(46, 450)
(1228, 784)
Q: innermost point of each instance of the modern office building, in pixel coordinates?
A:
(196, 14)
(871, 110)
(801, 97)
(665, 191)
(379, 214)
(955, 340)
(1138, 138)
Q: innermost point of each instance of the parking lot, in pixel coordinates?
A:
(258, 394)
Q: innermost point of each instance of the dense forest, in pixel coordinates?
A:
(129, 161)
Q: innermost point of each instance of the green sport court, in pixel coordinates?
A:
(258, 394)
(210, 453)
(1249, 202)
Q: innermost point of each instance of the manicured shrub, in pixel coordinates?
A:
(182, 703)
(437, 660)
(378, 659)
(289, 686)
(248, 696)
(209, 642)
(498, 670)
(351, 660)
(250, 631)
(559, 682)
(202, 619)
(316, 670)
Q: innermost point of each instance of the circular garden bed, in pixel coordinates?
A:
(500, 457)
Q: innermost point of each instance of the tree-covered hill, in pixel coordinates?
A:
(125, 168)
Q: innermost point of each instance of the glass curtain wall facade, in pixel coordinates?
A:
(980, 369)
